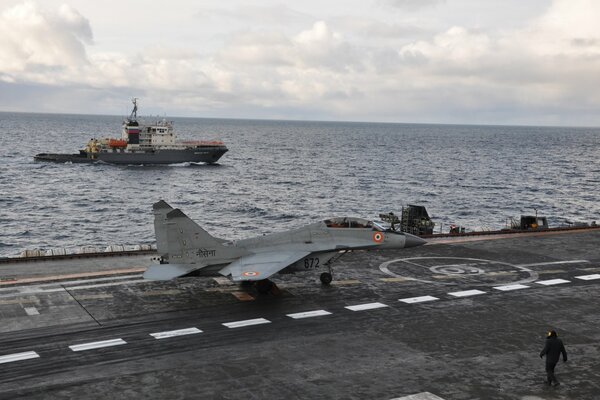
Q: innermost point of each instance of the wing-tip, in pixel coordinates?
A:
(161, 205)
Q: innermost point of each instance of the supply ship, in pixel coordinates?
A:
(143, 144)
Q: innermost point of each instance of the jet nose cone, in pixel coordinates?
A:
(413, 241)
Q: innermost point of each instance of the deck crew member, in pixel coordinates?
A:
(552, 350)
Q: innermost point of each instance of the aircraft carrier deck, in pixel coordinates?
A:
(455, 319)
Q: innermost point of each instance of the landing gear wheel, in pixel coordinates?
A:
(326, 278)
(263, 286)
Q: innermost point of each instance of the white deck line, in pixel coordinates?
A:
(506, 288)
(27, 288)
(553, 282)
(178, 332)
(309, 314)
(420, 396)
(31, 311)
(366, 306)
(97, 345)
(247, 322)
(141, 280)
(18, 357)
(466, 293)
(420, 299)
(552, 263)
(588, 277)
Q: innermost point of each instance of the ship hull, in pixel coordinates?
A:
(208, 155)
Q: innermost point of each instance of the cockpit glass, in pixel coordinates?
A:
(348, 223)
(378, 227)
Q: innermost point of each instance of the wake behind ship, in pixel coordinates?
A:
(143, 144)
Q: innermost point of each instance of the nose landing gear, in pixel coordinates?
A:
(326, 278)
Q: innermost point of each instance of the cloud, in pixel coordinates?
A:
(40, 45)
(332, 69)
(412, 5)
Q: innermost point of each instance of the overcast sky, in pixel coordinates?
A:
(534, 62)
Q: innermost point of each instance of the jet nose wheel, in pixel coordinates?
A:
(326, 278)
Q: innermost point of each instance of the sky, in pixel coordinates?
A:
(508, 62)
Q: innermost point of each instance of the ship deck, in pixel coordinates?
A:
(459, 318)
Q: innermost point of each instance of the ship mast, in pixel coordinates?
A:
(133, 116)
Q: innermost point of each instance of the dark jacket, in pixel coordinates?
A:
(554, 346)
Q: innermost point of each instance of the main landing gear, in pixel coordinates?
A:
(266, 286)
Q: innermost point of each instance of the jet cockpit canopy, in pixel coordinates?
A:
(351, 222)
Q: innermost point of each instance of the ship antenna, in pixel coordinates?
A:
(133, 115)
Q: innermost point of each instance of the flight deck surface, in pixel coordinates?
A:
(456, 320)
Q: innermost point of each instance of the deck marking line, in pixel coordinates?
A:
(588, 277)
(420, 396)
(31, 311)
(97, 345)
(104, 284)
(553, 282)
(247, 322)
(506, 288)
(178, 332)
(466, 293)
(366, 306)
(552, 263)
(420, 299)
(18, 357)
(308, 314)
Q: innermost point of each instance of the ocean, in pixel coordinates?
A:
(280, 175)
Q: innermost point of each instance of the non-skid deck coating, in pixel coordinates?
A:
(450, 321)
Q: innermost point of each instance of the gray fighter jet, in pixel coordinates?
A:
(185, 248)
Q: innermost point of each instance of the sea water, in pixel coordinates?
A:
(279, 175)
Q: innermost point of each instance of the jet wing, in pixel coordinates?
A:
(257, 266)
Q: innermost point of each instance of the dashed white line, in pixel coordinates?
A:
(97, 345)
(366, 306)
(420, 396)
(247, 322)
(31, 311)
(18, 357)
(466, 293)
(178, 332)
(309, 314)
(588, 277)
(420, 299)
(506, 288)
(553, 282)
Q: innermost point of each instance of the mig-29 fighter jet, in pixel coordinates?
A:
(185, 248)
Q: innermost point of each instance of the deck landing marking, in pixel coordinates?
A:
(18, 357)
(506, 288)
(97, 345)
(31, 311)
(308, 314)
(588, 277)
(420, 396)
(553, 282)
(178, 332)
(367, 306)
(247, 322)
(466, 293)
(467, 267)
(420, 299)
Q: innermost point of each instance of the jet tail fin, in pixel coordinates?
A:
(161, 209)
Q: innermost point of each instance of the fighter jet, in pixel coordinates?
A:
(185, 248)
